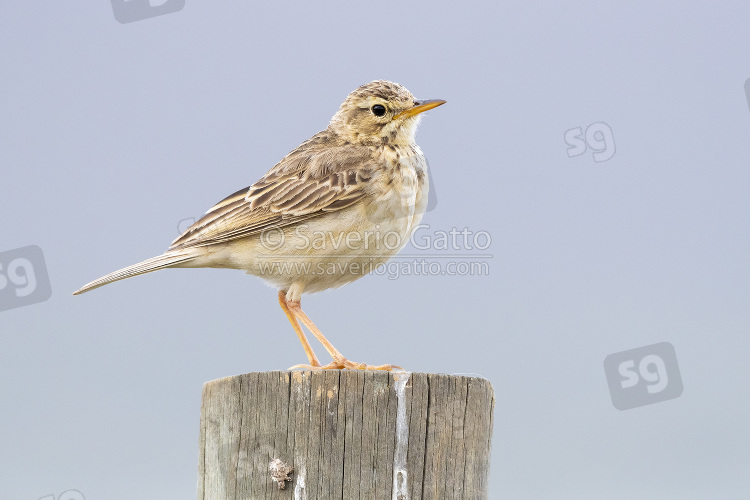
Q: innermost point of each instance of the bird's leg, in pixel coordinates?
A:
(339, 361)
(298, 329)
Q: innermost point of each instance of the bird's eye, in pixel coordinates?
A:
(378, 110)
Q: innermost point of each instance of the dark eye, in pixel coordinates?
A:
(378, 110)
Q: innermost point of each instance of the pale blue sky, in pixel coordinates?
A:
(111, 134)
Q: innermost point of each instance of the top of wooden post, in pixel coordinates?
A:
(345, 434)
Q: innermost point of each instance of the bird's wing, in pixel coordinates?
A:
(307, 183)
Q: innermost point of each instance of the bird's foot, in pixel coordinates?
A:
(345, 364)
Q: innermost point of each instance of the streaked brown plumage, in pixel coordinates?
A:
(361, 179)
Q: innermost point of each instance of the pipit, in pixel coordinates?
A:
(335, 208)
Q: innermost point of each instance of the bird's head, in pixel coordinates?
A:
(380, 112)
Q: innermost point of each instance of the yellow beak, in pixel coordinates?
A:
(419, 107)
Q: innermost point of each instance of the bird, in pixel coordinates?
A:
(331, 211)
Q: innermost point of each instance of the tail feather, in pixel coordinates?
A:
(168, 259)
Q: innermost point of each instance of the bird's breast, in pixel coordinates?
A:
(400, 189)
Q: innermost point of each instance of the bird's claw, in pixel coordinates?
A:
(345, 364)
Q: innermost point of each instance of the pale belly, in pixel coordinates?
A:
(337, 248)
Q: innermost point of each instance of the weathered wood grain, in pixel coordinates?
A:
(337, 429)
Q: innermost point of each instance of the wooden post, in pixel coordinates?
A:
(345, 435)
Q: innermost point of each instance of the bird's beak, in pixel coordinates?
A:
(419, 107)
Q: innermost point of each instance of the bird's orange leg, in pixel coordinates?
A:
(339, 361)
(298, 329)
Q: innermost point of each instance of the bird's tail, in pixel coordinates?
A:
(168, 259)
